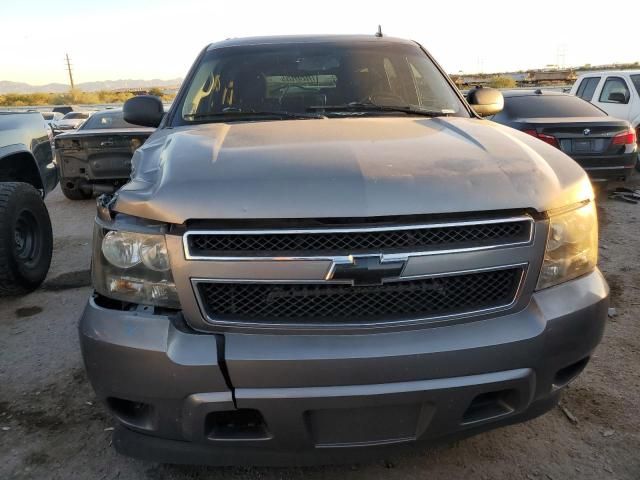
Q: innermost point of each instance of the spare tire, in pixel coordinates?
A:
(26, 239)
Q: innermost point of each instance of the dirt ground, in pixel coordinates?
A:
(52, 427)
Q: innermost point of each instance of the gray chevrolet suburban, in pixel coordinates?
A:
(324, 252)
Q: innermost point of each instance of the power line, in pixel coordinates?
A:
(69, 70)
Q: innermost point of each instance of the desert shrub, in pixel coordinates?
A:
(502, 81)
(72, 97)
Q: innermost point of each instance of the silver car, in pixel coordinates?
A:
(70, 121)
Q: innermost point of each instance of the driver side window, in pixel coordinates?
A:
(615, 90)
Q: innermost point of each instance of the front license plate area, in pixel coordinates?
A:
(368, 425)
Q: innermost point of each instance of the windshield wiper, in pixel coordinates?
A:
(237, 114)
(363, 107)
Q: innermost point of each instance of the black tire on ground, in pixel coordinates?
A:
(638, 162)
(26, 239)
(75, 192)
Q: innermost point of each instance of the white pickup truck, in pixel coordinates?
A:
(617, 92)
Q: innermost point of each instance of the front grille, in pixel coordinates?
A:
(346, 304)
(385, 240)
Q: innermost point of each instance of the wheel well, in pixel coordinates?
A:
(20, 167)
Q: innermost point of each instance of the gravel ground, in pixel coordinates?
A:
(51, 425)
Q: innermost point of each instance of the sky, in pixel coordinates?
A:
(140, 39)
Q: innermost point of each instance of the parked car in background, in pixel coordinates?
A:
(70, 121)
(323, 252)
(617, 92)
(52, 117)
(97, 156)
(27, 173)
(604, 146)
(63, 109)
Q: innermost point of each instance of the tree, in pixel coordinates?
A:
(502, 81)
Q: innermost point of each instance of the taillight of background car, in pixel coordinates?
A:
(625, 138)
(550, 139)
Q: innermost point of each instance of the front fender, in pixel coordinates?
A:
(41, 176)
(13, 149)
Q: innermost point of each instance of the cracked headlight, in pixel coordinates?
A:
(133, 267)
(572, 246)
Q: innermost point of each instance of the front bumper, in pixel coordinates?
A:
(232, 398)
(107, 166)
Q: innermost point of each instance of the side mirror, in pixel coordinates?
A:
(617, 97)
(145, 110)
(485, 101)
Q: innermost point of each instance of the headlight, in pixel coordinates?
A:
(133, 267)
(572, 246)
(127, 249)
(122, 249)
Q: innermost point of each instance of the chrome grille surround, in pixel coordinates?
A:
(319, 269)
(314, 242)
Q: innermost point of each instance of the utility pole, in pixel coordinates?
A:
(561, 56)
(69, 69)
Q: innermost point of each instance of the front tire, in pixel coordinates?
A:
(26, 239)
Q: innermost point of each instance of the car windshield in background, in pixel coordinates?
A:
(546, 106)
(107, 120)
(75, 116)
(306, 80)
(48, 115)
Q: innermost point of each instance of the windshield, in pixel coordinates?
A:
(75, 116)
(47, 115)
(313, 77)
(541, 106)
(107, 120)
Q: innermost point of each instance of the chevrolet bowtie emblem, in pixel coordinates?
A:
(366, 270)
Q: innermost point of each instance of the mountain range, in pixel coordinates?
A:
(20, 87)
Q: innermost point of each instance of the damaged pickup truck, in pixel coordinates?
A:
(96, 158)
(325, 252)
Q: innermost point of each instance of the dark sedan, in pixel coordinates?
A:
(96, 158)
(604, 146)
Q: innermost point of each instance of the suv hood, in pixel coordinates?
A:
(346, 167)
